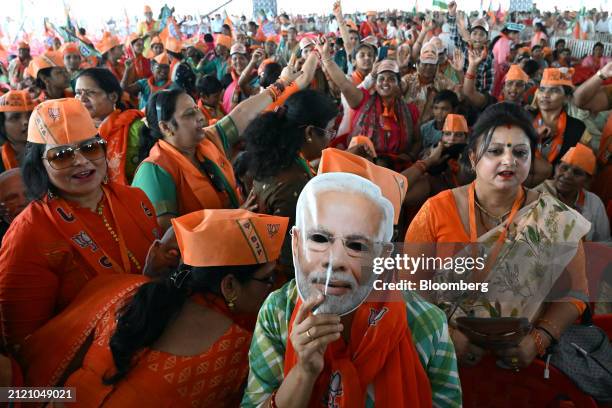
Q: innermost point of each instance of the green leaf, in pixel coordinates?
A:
(568, 229)
(514, 312)
(559, 208)
(533, 234)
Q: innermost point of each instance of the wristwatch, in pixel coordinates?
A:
(601, 75)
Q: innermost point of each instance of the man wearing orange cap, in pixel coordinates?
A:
(141, 65)
(573, 173)
(149, 27)
(218, 66)
(422, 86)
(72, 60)
(558, 130)
(17, 66)
(51, 76)
(515, 85)
(112, 51)
(369, 26)
(15, 110)
(77, 227)
(319, 342)
(157, 47)
(145, 87)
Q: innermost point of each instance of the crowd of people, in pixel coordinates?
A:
(187, 215)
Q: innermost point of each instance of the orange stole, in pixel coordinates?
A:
(381, 352)
(115, 130)
(67, 332)
(601, 184)
(9, 158)
(212, 115)
(195, 191)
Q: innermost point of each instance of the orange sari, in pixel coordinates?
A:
(115, 130)
(54, 248)
(195, 191)
(213, 378)
(9, 157)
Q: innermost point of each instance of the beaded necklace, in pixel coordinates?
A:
(115, 236)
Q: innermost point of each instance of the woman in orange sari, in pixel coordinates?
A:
(100, 92)
(496, 209)
(15, 110)
(78, 226)
(182, 341)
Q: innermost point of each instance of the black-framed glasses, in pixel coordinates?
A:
(63, 157)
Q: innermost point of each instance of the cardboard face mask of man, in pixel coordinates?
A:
(342, 223)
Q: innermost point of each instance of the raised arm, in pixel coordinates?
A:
(353, 95)
(469, 85)
(344, 31)
(125, 85)
(591, 95)
(455, 35)
(247, 74)
(416, 48)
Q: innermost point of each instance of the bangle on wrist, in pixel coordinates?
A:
(469, 75)
(273, 400)
(539, 342)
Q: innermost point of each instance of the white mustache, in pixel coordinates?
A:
(321, 278)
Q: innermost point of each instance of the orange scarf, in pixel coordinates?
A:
(142, 67)
(196, 190)
(115, 130)
(557, 142)
(154, 88)
(67, 332)
(381, 352)
(212, 115)
(117, 69)
(9, 158)
(357, 77)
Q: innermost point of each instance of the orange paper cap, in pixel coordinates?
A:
(49, 59)
(581, 156)
(200, 46)
(557, 77)
(174, 45)
(455, 123)
(70, 48)
(147, 9)
(306, 42)
(371, 13)
(359, 140)
(60, 122)
(107, 43)
(16, 101)
(156, 40)
(131, 38)
(162, 59)
(272, 38)
(224, 40)
(23, 44)
(429, 54)
(238, 48)
(392, 185)
(248, 238)
(515, 73)
(388, 65)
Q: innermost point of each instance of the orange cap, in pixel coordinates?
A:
(61, 121)
(359, 140)
(16, 101)
(455, 123)
(107, 43)
(23, 44)
(200, 46)
(392, 185)
(272, 38)
(581, 156)
(156, 40)
(174, 45)
(131, 38)
(70, 48)
(224, 40)
(162, 59)
(516, 73)
(371, 13)
(147, 9)
(557, 77)
(248, 238)
(49, 59)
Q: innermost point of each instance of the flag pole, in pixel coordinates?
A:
(218, 8)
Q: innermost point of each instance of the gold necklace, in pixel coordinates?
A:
(497, 219)
(115, 236)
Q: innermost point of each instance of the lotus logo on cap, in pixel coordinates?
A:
(272, 229)
(54, 113)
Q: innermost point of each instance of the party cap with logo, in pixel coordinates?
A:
(107, 43)
(392, 185)
(362, 140)
(306, 42)
(516, 73)
(224, 40)
(16, 101)
(238, 48)
(480, 23)
(429, 54)
(156, 40)
(173, 45)
(581, 156)
(162, 59)
(70, 48)
(60, 122)
(388, 65)
(248, 238)
(49, 59)
(455, 123)
(557, 77)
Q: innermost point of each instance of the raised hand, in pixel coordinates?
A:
(258, 56)
(338, 11)
(403, 55)
(475, 58)
(458, 61)
(452, 8)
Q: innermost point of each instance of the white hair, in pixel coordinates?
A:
(345, 183)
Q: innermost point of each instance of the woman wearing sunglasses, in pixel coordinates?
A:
(178, 341)
(78, 226)
(100, 92)
(280, 145)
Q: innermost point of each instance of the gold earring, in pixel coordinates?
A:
(309, 139)
(231, 302)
